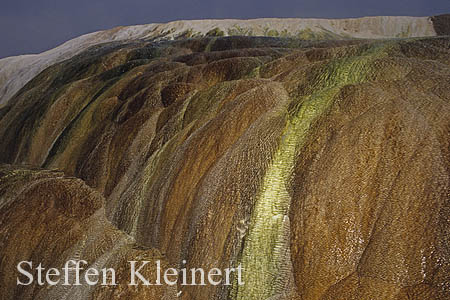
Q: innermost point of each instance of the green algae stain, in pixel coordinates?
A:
(255, 73)
(265, 257)
(215, 32)
(210, 44)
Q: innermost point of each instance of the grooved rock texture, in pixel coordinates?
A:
(322, 167)
(16, 71)
(48, 218)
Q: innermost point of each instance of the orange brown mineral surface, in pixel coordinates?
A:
(322, 167)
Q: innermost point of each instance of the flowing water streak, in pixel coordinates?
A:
(264, 260)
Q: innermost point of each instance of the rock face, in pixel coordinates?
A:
(320, 166)
(15, 72)
(50, 218)
(441, 24)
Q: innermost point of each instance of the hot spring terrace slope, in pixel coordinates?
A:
(321, 166)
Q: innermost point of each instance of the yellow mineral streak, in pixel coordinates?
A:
(264, 254)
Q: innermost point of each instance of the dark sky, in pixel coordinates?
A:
(33, 26)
